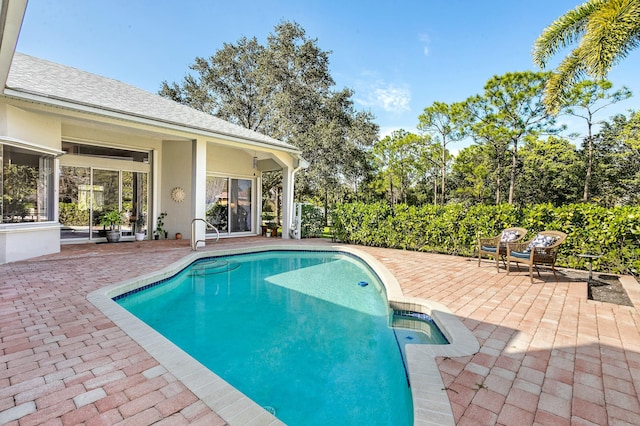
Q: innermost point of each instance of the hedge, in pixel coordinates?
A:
(312, 221)
(454, 229)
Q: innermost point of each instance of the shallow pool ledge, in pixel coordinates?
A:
(431, 404)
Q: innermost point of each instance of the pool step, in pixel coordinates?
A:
(421, 323)
(212, 267)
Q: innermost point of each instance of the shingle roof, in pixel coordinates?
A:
(37, 76)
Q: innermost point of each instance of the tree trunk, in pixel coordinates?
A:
(514, 165)
(587, 179)
(404, 188)
(391, 189)
(444, 168)
(326, 206)
(498, 183)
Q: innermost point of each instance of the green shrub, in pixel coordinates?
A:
(312, 221)
(454, 229)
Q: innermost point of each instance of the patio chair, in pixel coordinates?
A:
(496, 247)
(541, 250)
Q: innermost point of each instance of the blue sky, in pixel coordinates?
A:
(398, 57)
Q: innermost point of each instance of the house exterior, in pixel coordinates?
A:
(75, 145)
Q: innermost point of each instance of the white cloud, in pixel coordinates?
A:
(386, 96)
(392, 98)
(424, 39)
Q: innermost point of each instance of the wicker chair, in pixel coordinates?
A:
(496, 247)
(542, 250)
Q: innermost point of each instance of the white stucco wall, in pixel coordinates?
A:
(175, 171)
(229, 161)
(24, 240)
(117, 137)
(31, 127)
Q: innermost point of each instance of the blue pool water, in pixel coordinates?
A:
(306, 334)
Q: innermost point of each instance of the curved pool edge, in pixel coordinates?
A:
(430, 400)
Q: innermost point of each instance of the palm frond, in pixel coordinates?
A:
(557, 87)
(564, 31)
(610, 35)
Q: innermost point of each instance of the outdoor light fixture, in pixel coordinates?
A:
(255, 162)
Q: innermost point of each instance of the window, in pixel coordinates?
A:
(26, 185)
(84, 150)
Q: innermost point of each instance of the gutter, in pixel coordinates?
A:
(302, 164)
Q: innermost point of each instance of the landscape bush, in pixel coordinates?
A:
(454, 229)
(312, 221)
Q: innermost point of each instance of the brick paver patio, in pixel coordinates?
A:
(548, 355)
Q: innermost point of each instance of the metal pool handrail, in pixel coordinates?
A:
(194, 242)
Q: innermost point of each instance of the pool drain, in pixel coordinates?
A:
(269, 409)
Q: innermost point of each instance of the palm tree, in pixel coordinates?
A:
(607, 30)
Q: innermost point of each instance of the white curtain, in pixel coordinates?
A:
(215, 187)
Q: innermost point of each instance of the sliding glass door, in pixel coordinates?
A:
(218, 203)
(134, 202)
(86, 193)
(240, 219)
(74, 202)
(229, 204)
(105, 196)
(96, 179)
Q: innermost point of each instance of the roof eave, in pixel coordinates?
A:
(48, 100)
(11, 16)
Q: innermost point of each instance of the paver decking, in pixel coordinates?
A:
(548, 355)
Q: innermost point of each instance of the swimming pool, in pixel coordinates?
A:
(430, 401)
(290, 330)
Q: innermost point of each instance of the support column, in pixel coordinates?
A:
(288, 179)
(257, 202)
(199, 188)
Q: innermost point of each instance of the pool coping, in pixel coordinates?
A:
(430, 400)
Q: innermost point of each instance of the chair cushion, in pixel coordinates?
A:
(508, 236)
(489, 248)
(521, 254)
(541, 241)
